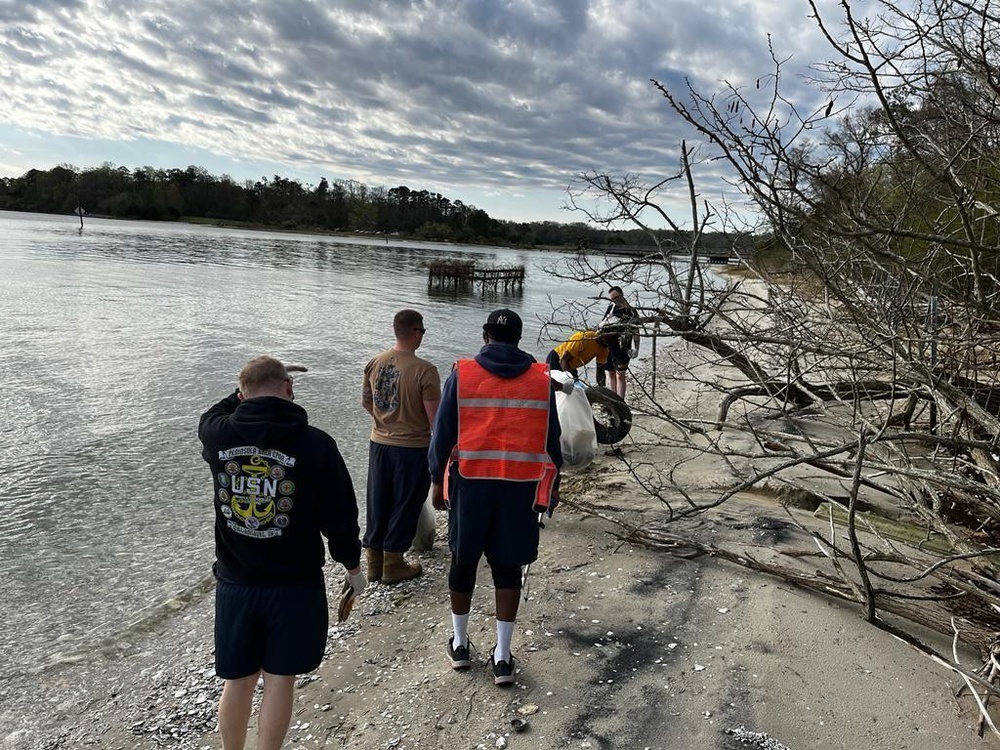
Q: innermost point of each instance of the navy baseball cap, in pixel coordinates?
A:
(504, 322)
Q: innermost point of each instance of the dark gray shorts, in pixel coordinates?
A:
(618, 360)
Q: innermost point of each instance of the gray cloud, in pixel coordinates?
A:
(471, 94)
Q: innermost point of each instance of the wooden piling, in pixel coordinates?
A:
(461, 274)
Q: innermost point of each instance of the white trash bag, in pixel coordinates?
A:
(576, 418)
(423, 540)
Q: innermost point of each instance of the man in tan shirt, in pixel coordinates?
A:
(401, 391)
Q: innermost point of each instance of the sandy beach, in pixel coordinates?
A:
(618, 646)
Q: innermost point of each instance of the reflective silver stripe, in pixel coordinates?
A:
(509, 403)
(505, 456)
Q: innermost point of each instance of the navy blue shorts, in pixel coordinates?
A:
(494, 518)
(552, 360)
(280, 629)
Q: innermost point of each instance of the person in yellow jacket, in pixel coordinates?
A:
(494, 460)
(581, 348)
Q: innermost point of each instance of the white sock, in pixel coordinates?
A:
(460, 626)
(505, 632)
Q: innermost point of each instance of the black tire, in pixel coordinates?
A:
(612, 416)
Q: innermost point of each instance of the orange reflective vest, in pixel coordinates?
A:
(503, 427)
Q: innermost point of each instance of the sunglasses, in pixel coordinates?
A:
(420, 330)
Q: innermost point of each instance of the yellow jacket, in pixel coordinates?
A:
(582, 347)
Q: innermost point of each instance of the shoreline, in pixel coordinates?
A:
(314, 231)
(618, 645)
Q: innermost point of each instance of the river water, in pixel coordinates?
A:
(117, 337)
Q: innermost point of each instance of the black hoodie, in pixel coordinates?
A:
(279, 484)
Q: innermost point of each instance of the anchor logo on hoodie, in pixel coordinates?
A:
(254, 492)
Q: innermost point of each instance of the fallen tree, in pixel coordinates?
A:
(858, 341)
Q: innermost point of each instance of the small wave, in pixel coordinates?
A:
(119, 642)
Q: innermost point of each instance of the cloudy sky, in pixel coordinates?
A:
(498, 103)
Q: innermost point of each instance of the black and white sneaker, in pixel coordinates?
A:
(459, 656)
(503, 671)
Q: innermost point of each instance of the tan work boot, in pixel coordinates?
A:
(396, 569)
(373, 561)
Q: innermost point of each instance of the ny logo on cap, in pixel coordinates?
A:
(502, 320)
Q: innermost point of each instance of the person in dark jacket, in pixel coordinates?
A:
(500, 461)
(281, 485)
(623, 342)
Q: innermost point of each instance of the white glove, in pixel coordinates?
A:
(633, 353)
(568, 386)
(357, 581)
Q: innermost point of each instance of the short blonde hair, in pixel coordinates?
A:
(262, 374)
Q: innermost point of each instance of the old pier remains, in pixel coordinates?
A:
(467, 274)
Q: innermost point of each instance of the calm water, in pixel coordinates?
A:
(116, 338)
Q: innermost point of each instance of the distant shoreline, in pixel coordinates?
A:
(318, 231)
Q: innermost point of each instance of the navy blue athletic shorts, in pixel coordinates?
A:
(494, 518)
(280, 629)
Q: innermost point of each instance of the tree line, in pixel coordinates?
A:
(279, 202)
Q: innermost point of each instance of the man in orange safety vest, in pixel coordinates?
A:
(494, 461)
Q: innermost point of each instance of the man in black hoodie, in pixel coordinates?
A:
(281, 485)
(494, 460)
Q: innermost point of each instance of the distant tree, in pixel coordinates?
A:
(479, 223)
